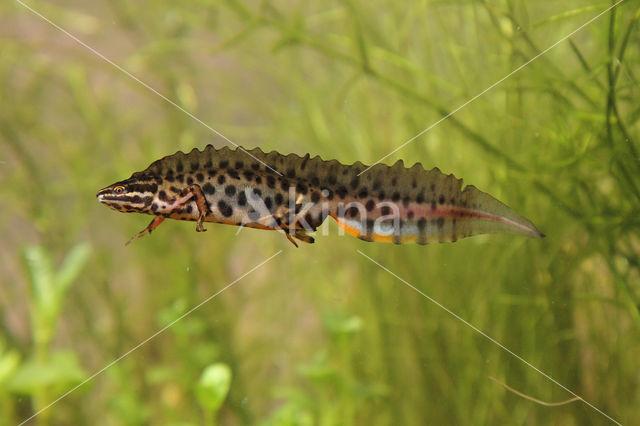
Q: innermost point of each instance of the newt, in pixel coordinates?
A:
(296, 194)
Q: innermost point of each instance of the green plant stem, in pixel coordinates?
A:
(585, 65)
(611, 109)
(548, 64)
(42, 396)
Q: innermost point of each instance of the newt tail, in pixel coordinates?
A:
(296, 194)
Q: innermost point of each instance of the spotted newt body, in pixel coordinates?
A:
(296, 194)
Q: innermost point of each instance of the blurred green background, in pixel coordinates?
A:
(320, 335)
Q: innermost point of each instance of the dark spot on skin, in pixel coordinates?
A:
(376, 185)
(315, 196)
(255, 166)
(248, 175)
(208, 188)
(271, 181)
(230, 190)
(363, 193)
(395, 197)
(420, 198)
(258, 180)
(309, 219)
(440, 223)
(278, 199)
(257, 192)
(298, 208)
(200, 177)
(385, 210)
(224, 164)
(194, 166)
(284, 184)
(291, 173)
(332, 180)
(189, 180)
(221, 179)
(170, 178)
(163, 196)
(422, 223)
(268, 203)
(179, 167)
(208, 164)
(441, 199)
(342, 192)
(352, 211)
(381, 195)
(180, 178)
(175, 190)
(394, 181)
(154, 207)
(405, 201)
(188, 209)
(233, 174)
(414, 183)
(315, 181)
(211, 172)
(370, 205)
(239, 164)
(254, 216)
(301, 187)
(158, 180)
(370, 225)
(329, 194)
(410, 214)
(242, 198)
(355, 181)
(225, 209)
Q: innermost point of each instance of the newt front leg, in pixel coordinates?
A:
(201, 203)
(186, 196)
(153, 225)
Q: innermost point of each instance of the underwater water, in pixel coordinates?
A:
(236, 326)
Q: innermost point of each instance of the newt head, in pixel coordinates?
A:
(135, 194)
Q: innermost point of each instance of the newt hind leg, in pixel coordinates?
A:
(299, 234)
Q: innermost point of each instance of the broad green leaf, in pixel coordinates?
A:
(213, 386)
(71, 267)
(40, 271)
(62, 370)
(338, 323)
(9, 361)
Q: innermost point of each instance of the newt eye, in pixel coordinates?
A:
(118, 189)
